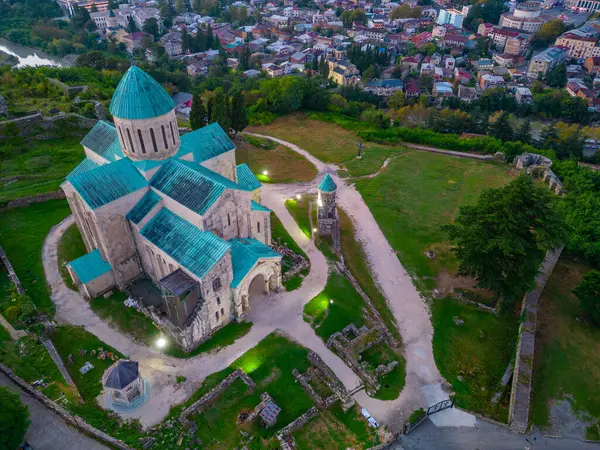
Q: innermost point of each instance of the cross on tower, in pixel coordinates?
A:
(360, 147)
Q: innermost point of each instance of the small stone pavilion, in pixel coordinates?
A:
(175, 209)
(123, 382)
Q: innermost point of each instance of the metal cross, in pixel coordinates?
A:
(360, 147)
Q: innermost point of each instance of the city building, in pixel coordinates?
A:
(523, 95)
(171, 211)
(545, 61)
(343, 72)
(525, 17)
(442, 89)
(578, 46)
(451, 16)
(384, 88)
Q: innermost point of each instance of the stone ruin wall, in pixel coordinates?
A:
(540, 167)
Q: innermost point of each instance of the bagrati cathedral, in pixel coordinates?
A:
(176, 209)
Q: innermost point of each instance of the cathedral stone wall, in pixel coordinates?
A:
(223, 164)
(229, 217)
(264, 233)
(144, 139)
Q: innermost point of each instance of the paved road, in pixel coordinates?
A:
(48, 431)
(484, 436)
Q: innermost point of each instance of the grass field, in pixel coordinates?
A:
(70, 247)
(299, 209)
(281, 164)
(417, 194)
(478, 351)
(336, 307)
(22, 235)
(567, 355)
(327, 142)
(40, 167)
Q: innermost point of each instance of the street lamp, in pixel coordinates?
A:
(265, 172)
(161, 342)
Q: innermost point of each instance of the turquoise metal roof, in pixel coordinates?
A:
(107, 183)
(144, 206)
(104, 141)
(327, 185)
(90, 266)
(205, 143)
(258, 207)
(139, 96)
(84, 166)
(196, 250)
(245, 253)
(191, 184)
(246, 178)
(146, 164)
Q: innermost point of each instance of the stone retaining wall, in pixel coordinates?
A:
(11, 272)
(518, 413)
(214, 393)
(35, 123)
(265, 398)
(332, 382)
(69, 91)
(298, 423)
(70, 419)
(31, 199)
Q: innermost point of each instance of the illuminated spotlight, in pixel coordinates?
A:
(314, 230)
(265, 172)
(161, 342)
(298, 196)
(331, 302)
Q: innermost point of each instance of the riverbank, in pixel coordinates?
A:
(29, 57)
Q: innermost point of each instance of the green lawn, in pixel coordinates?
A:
(479, 351)
(222, 338)
(270, 365)
(299, 209)
(281, 164)
(70, 247)
(41, 166)
(336, 307)
(280, 234)
(417, 194)
(567, 354)
(22, 235)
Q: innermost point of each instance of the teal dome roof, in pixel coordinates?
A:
(327, 185)
(139, 96)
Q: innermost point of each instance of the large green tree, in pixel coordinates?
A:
(14, 419)
(238, 113)
(501, 127)
(197, 113)
(588, 293)
(502, 240)
(220, 110)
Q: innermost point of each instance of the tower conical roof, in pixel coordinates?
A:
(139, 96)
(327, 185)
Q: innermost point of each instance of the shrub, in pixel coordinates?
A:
(12, 313)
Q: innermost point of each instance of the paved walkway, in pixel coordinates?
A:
(284, 311)
(48, 431)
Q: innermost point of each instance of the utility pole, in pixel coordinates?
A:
(360, 147)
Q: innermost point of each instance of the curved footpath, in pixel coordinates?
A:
(283, 311)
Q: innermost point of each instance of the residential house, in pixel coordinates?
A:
(578, 46)
(343, 72)
(384, 88)
(172, 43)
(412, 88)
(298, 58)
(462, 75)
(483, 64)
(592, 65)
(197, 68)
(451, 16)
(468, 94)
(545, 61)
(136, 40)
(273, 70)
(484, 29)
(442, 89)
(409, 63)
(258, 45)
(488, 80)
(523, 95)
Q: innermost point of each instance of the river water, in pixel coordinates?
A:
(29, 56)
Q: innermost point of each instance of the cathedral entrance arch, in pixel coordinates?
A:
(264, 277)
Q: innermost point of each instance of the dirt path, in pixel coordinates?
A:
(423, 380)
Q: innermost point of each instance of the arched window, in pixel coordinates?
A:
(130, 141)
(217, 315)
(228, 219)
(258, 226)
(172, 132)
(153, 140)
(121, 133)
(141, 141)
(216, 284)
(162, 127)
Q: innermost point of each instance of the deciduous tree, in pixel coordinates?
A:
(502, 240)
(588, 293)
(14, 419)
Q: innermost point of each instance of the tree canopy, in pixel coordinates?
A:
(588, 293)
(14, 419)
(502, 240)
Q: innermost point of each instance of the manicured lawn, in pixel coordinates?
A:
(222, 338)
(334, 429)
(281, 164)
(326, 141)
(567, 354)
(127, 320)
(70, 247)
(336, 307)
(270, 365)
(417, 194)
(479, 351)
(22, 235)
(279, 234)
(40, 167)
(299, 209)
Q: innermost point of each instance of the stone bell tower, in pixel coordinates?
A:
(327, 216)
